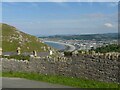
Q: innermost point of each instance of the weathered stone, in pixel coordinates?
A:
(96, 68)
(18, 51)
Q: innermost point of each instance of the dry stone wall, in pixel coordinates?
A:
(86, 66)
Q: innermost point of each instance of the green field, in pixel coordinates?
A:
(69, 81)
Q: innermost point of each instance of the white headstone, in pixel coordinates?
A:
(0, 51)
(35, 53)
(18, 50)
(51, 52)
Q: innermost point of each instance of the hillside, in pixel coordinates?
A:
(0, 35)
(13, 38)
(107, 36)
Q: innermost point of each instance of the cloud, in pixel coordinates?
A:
(83, 0)
(60, 0)
(97, 15)
(113, 4)
(109, 25)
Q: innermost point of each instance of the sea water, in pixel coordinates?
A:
(56, 45)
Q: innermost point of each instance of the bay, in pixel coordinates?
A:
(55, 45)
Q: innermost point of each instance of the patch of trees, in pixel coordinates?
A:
(108, 48)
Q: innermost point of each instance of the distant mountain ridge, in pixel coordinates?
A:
(106, 36)
(13, 38)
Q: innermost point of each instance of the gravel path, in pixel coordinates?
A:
(24, 83)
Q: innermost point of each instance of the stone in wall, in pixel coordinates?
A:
(76, 66)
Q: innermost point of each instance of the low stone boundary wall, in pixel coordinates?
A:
(76, 66)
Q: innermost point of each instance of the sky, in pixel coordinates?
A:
(53, 18)
(59, 0)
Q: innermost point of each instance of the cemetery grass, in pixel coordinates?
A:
(17, 57)
(68, 81)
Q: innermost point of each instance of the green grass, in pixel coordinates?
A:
(11, 40)
(18, 57)
(69, 81)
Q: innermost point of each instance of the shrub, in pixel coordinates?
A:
(68, 53)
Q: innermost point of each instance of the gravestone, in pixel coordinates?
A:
(35, 53)
(18, 51)
(0, 51)
(51, 52)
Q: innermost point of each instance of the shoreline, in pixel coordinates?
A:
(68, 47)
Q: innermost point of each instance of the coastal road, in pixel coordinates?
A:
(24, 83)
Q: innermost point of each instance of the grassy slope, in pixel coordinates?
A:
(0, 35)
(74, 82)
(12, 38)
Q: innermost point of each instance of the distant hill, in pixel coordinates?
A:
(13, 38)
(107, 36)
